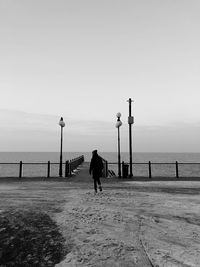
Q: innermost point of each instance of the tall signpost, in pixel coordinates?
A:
(130, 122)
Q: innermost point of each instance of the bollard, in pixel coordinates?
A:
(124, 170)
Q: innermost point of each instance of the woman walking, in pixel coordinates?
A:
(96, 167)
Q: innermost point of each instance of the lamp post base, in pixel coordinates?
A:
(60, 169)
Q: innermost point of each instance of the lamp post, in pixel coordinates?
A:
(130, 122)
(62, 125)
(118, 124)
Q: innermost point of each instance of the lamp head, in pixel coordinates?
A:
(118, 115)
(118, 124)
(61, 122)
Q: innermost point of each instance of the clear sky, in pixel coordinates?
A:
(83, 59)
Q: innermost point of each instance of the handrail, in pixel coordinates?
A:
(149, 165)
(105, 168)
(70, 165)
(73, 164)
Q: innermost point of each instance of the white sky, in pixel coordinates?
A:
(83, 59)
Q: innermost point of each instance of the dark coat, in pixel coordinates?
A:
(96, 166)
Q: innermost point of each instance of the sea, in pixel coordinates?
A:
(9, 163)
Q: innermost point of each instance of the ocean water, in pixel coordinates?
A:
(162, 169)
(30, 170)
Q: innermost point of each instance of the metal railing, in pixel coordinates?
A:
(105, 168)
(157, 169)
(140, 169)
(71, 165)
(44, 168)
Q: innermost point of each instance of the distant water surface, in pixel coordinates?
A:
(109, 156)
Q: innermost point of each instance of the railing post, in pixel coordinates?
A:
(106, 169)
(177, 174)
(123, 169)
(150, 176)
(20, 169)
(70, 172)
(66, 168)
(72, 166)
(48, 169)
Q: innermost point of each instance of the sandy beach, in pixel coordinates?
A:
(130, 223)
